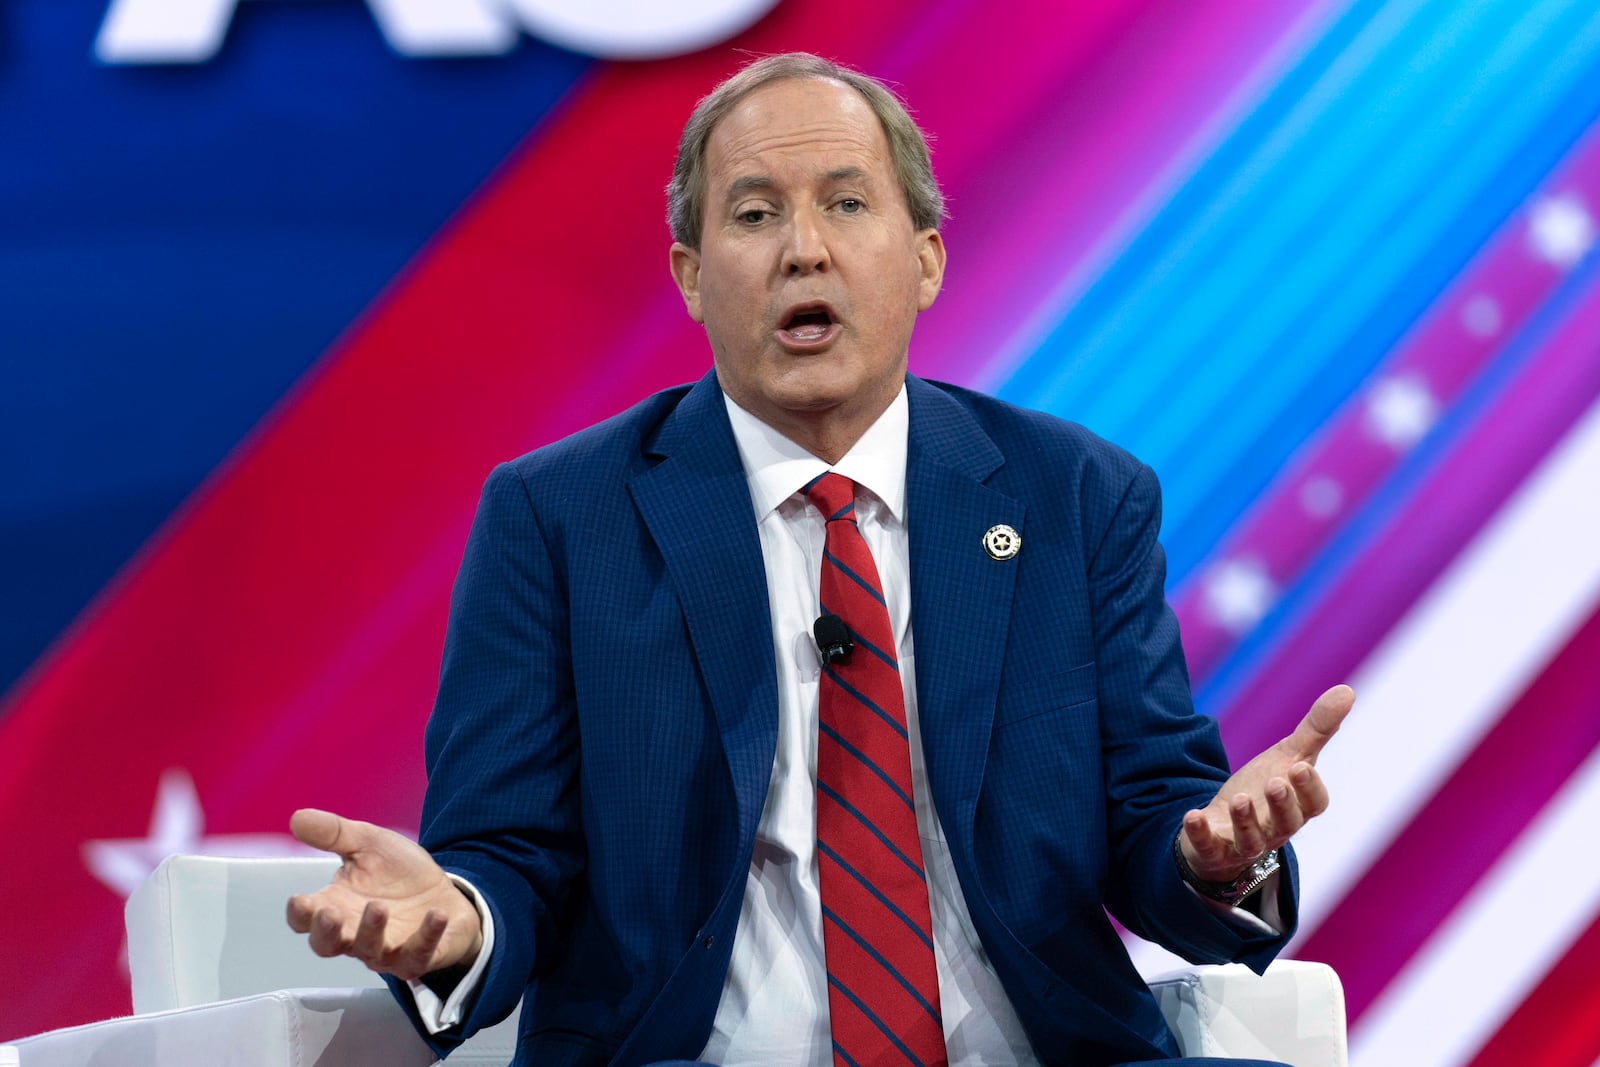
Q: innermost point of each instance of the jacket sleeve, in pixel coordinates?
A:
(1160, 757)
(501, 808)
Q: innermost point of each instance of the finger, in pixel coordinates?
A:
(1249, 840)
(1206, 846)
(368, 943)
(299, 913)
(1323, 721)
(1283, 808)
(1310, 790)
(416, 957)
(328, 936)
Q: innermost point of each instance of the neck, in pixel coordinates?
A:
(825, 432)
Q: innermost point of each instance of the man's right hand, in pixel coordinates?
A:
(390, 906)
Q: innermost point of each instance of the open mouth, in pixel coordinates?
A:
(808, 324)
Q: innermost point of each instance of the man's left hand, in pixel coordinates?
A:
(1267, 799)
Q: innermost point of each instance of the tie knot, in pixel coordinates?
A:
(834, 495)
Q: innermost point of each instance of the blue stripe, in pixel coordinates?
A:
(853, 576)
(833, 854)
(869, 705)
(866, 762)
(861, 818)
(838, 1051)
(863, 642)
(933, 1013)
(1209, 504)
(875, 650)
(1207, 298)
(890, 1034)
(1219, 694)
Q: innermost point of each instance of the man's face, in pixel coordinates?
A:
(809, 275)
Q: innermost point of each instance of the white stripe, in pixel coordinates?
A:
(1463, 652)
(1490, 954)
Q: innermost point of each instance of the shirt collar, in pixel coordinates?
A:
(777, 468)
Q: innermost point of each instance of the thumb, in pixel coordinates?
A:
(1323, 720)
(329, 832)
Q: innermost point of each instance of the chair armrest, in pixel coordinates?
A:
(203, 929)
(208, 928)
(332, 1027)
(1294, 1013)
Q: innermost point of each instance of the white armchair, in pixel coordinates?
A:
(1294, 1013)
(218, 977)
(204, 929)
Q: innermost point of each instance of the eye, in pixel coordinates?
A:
(850, 205)
(752, 216)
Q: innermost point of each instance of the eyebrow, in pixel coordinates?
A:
(748, 184)
(754, 182)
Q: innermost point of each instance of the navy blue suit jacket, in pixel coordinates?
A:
(607, 715)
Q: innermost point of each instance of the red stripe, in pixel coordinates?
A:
(1559, 1024)
(1464, 828)
(1342, 623)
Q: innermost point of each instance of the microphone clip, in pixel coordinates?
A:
(833, 639)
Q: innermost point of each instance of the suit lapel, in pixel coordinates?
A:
(696, 503)
(960, 597)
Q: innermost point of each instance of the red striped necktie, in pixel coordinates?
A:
(883, 984)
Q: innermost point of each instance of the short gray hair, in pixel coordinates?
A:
(908, 147)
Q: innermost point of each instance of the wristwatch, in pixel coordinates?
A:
(1230, 893)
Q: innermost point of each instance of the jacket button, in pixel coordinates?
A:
(708, 942)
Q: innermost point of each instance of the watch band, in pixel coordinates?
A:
(1230, 893)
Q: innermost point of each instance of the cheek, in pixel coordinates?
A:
(730, 300)
(896, 296)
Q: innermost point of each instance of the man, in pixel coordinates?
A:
(641, 756)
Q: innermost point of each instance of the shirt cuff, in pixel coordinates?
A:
(1264, 919)
(437, 1014)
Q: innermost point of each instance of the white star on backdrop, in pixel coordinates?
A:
(1238, 592)
(1401, 410)
(176, 826)
(1481, 316)
(1560, 229)
(1321, 496)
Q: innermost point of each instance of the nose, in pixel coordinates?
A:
(806, 250)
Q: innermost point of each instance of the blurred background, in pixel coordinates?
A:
(281, 281)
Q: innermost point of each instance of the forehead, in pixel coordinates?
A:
(804, 123)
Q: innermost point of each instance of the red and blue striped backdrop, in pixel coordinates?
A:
(268, 319)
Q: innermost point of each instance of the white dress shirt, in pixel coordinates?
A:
(774, 1006)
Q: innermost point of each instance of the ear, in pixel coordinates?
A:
(930, 257)
(686, 272)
